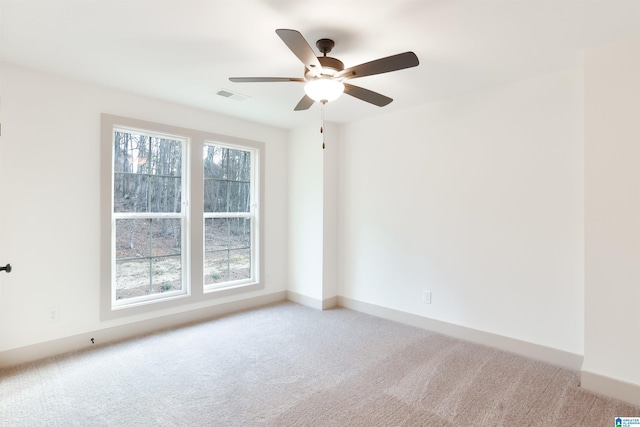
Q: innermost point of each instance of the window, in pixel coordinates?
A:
(229, 212)
(178, 227)
(149, 216)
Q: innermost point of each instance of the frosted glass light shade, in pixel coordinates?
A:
(323, 89)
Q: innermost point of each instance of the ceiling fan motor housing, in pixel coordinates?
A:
(330, 66)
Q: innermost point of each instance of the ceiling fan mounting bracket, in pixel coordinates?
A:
(325, 45)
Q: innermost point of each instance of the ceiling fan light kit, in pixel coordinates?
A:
(324, 90)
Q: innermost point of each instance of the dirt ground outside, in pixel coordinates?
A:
(132, 277)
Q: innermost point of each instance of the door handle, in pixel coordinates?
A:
(6, 268)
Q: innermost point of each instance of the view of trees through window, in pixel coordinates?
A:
(150, 220)
(147, 203)
(180, 215)
(227, 214)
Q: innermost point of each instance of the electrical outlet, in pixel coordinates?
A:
(53, 314)
(426, 297)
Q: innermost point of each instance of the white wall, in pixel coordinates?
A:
(612, 214)
(305, 213)
(51, 212)
(478, 199)
(330, 176)
(313, 215)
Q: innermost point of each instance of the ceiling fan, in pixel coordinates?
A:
(325, 76)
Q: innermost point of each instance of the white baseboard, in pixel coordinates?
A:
(610, 387)
(308, 301)
(329, 303)
(38, 351)
(523, 348)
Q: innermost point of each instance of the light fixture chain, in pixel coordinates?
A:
(322, 122)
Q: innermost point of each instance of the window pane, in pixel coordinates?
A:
(147, 173)
(216, 234)
(133, 278)
(215, 195)
(148, 257)
(239, 164)
(130, 152)
(166, 274)
(245, 167)
(240, 264)
(133, 238)
(164, 194)
(238, 197)
(167, 237)
(214, 159)
(165, 157)
(130, 192)
(148, 276)
(227, 249)
(226, 196)
(224, 266)
(227, 176)
(216, 267)
(227, 233)
(239, 233)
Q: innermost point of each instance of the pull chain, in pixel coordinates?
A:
(322, 121)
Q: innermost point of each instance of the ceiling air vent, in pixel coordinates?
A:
(232, 95)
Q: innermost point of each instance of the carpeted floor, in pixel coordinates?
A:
(289, 365)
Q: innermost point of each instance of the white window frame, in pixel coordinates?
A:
(192, 214)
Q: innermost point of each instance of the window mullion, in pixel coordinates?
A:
(148, 215)
(247, 215)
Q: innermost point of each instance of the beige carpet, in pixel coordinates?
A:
(289, 365)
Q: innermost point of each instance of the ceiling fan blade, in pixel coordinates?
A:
(304, 104)
(367, 95)
(264, 79)
(300, 48)
(379, 66)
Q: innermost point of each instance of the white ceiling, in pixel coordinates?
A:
(184, 51)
